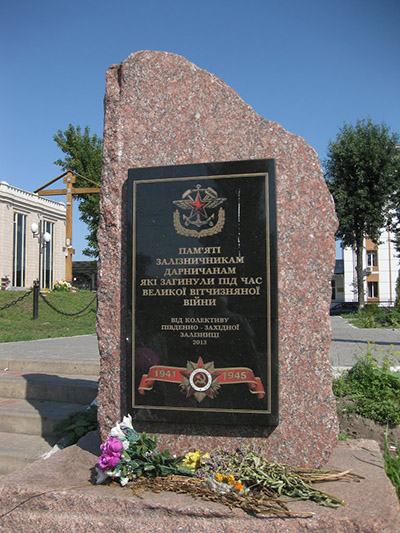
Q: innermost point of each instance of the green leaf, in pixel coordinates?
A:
(80, 431)
(82, 422)
(70, 438)
(184, 471)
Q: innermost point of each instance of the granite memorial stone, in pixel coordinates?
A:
(162, 111)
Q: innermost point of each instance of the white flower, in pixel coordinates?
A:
(127, 422)
(117, 431)
(124, 481)
(125, 444)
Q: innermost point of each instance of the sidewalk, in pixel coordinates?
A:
(69, 347)
(347, 342)
(59, 355)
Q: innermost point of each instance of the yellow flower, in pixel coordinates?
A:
(192, 459)
(219, 478)
(230, 479)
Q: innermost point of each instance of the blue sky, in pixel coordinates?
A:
(308, 65)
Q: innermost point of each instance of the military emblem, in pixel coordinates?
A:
(200, 204)
(200, 380)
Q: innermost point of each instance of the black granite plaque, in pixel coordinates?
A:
(204, 293)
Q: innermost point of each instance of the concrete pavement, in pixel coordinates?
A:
(60, 355)
(70, 347)
(348, 341)
(41, 383)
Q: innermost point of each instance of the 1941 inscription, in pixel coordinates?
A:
(204, 293)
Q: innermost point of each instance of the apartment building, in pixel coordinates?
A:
(381, 267)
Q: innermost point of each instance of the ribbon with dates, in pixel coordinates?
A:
(222, 376)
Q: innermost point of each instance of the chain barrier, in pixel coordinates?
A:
(16, 301)
(63, 312)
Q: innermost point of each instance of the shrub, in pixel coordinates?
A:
(392, 463)
(372, 390)
(76, 425)
(373, 316)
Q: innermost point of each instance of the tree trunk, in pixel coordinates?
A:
(359, 272)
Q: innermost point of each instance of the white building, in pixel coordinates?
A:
(20, 251)
(381, 267)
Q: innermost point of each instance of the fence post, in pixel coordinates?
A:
(35, 299)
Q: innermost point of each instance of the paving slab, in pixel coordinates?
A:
(80, 355)
(58, 494)
(72, 348)
(64, 355)
(44, 386)
(34, 417)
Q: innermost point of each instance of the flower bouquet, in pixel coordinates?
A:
(127, 455)
(238, 478)
(62, 286)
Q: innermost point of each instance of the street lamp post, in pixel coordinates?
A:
(43, 238)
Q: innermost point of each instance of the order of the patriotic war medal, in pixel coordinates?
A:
(198, 209)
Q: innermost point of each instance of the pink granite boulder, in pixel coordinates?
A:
(160, 109)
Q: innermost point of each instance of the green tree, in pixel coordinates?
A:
(362, 175)
(83, 155)
(397, 303)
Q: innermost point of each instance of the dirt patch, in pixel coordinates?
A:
(358, 427)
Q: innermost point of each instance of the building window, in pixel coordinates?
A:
(373, 289)
(19, 250)
(333, 285)
(47, 257)
(372, 258)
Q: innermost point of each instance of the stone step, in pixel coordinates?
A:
(33, 417)
(17, 450)
(39, 386)
(51, 366)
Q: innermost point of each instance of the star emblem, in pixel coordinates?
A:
(200, 202)
(198, 205)
(200, 380)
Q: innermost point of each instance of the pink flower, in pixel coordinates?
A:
(107, 461)
(111, 445)
(111, 449)
(114, 445)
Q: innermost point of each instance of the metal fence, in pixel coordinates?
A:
(36, 293)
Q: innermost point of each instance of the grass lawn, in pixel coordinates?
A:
(16, 323)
